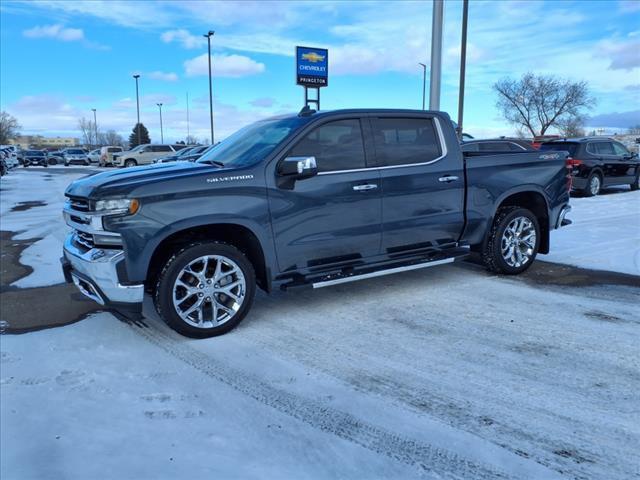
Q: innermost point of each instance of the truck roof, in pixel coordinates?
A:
(322, 113)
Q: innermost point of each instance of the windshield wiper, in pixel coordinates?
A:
(212, 162)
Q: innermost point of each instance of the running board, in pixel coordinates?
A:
(380, 273)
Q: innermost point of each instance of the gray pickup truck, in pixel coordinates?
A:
(307, 200)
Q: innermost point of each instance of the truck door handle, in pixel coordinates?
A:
(448, 178)
(362, 188)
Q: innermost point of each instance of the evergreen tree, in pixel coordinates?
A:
(144, 136)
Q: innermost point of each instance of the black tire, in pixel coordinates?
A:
(66, 164)
(636, 184)
(130, 163)
(163, 297)
(492, 255)
(591, 190)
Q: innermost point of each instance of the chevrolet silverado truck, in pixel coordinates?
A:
(308, 200)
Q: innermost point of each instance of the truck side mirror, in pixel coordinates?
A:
(299, 167)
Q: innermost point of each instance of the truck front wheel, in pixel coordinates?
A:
(205, 289)
(513, 241)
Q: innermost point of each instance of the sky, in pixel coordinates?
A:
(60, 59)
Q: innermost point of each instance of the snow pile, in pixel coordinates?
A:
(605, 234)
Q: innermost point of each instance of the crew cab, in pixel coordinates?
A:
(305, 201)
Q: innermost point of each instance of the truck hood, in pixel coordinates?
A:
(122, 182)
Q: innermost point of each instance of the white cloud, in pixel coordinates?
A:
(223, 66)
(164, 76)
(56, 31)
(623, 55)
(184, 37)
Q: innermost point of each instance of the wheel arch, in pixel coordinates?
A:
(240, 236)
(532, 199)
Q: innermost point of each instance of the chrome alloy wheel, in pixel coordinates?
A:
(594, 185)
(209, 291)
(518, 242)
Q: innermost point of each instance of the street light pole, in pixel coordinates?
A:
(436, 54)
(188, 132)
(463, 63)
(161, 132)
(95, 125)
(209, 35)
(424, 83)
(137, 107)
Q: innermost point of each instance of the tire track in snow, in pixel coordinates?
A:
(421, 455)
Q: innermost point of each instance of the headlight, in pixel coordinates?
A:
(123, 205)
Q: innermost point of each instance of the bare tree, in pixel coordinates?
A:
(191, 140)
(111, 137)
(538, 102)
(634, 130)
(87, 131)
(9, 127)
(572, 127)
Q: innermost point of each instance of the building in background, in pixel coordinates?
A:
(38, 141)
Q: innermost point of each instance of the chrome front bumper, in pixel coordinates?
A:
(95, 274)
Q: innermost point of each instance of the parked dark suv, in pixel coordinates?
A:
(598, 162)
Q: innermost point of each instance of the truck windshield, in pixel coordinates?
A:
(253, 142)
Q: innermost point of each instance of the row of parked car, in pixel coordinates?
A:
(595, 162)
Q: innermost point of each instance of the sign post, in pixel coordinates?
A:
(312, 71)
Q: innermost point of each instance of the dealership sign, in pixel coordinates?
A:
(312, 67)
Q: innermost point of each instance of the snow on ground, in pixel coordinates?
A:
(41, 219)
(440, 373)
(605, 234)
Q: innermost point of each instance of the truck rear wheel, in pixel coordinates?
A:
(513, 241)
(205, 289)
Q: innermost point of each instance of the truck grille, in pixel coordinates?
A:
(84, 239)
(78, 203)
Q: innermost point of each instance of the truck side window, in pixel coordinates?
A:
(403, 141)
(336, 145)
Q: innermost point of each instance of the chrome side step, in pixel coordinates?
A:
(380, 273)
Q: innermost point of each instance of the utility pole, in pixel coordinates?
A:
(188, 133)
(95, 125)
(436, 54)
(161, 132)
(463, 63)
(209, 35)
(424, 83)
(138, 107)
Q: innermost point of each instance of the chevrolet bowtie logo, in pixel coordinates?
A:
(313, 57)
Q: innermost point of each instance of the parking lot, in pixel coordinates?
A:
(448, 372)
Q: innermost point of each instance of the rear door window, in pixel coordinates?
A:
(405, 141)
(604, 148)
(336, 146)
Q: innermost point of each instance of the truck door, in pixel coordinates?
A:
(333, 217)
(422, 184)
